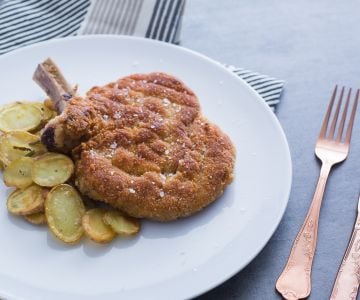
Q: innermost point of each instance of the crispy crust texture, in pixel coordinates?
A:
(142, 145)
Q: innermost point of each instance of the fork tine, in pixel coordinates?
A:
(327, 116)
(343, 118)
(352, 118)
(336, 115)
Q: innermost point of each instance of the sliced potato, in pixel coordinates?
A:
(8, 105)
(20, 116)
(49, 104)
(64, 210)
(46, 113)
(18, 173)
(95, 228)
(36, 218)
(16, 144)
(121, 224)
(37, 133)
(27, 201)
(52, 169)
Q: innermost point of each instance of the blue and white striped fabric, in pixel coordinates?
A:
(268, 88)
(24, 22)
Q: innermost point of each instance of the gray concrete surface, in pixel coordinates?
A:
(312, 45)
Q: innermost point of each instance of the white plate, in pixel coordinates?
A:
(176, 260)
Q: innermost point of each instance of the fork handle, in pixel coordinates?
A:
(295, 280)
(347, 280)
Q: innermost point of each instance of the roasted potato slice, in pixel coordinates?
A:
(8, 105)
(47, 113)
(52, 169)
(20, 116)
(49, 104)
(64, 210)
(18, 173)
(26, 201)
(16, 144)
(95, 228)
(37, 133)
(121, 224)
(36, 218)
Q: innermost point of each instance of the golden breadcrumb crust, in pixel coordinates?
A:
(142, 145)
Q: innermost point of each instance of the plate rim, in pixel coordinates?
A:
(274, 120)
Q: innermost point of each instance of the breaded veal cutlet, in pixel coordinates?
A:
(140, 144)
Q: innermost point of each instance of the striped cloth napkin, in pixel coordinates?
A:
(24, 22)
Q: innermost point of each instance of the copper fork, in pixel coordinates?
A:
(295, 280)
(346, 285)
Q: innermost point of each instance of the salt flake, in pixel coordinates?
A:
(166, 101)
(117, 115)
(163, 177)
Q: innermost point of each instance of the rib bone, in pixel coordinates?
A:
(48, 76)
